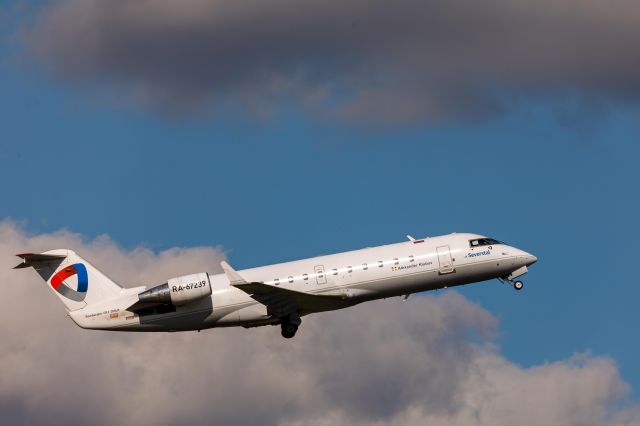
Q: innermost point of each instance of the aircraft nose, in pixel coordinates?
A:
(530, 259)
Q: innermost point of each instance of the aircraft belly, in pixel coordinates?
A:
(432, 280)
(399, 285)
(251, 313)
(479, 271)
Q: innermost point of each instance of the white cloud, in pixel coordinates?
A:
(379, 363)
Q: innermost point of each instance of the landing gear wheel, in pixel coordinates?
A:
(518, 285)
(288, 330)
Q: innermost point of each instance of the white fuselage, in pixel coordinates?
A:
(358, 276)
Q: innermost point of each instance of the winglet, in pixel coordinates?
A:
(234, 277)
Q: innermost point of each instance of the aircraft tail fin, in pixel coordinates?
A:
(76, 282)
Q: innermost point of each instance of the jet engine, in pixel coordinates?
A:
(178, 291)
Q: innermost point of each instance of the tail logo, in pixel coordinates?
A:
(58, 282)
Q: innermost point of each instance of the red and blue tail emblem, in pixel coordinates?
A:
(58, 281)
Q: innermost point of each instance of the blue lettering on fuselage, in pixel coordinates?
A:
(480, 253)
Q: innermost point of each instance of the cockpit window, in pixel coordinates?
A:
(483, 242)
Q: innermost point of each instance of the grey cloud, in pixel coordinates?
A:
(394, 62)
(429, 361)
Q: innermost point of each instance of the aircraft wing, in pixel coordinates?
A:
(281, 301)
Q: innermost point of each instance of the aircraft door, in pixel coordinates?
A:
(445, 261)
(321, 277)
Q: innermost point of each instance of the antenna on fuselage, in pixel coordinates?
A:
(410, 238)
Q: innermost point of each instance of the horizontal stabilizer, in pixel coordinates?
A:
(30, 259)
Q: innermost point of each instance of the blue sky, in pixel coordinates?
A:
(548, 175)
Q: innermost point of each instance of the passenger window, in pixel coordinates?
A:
(350, 270)
(380, 263)
(276, 281)
(290, 279)
(305, 276)
(335, 271)
(411, 259)
(395, 261)
(364, 267)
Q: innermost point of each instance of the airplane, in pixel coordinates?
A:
(277, 294)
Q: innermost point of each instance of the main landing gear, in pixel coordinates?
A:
(288, 330)
(289, 325)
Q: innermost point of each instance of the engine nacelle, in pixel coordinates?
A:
(188, 288)
(179, 291)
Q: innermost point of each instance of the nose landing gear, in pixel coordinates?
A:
(518, 285)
